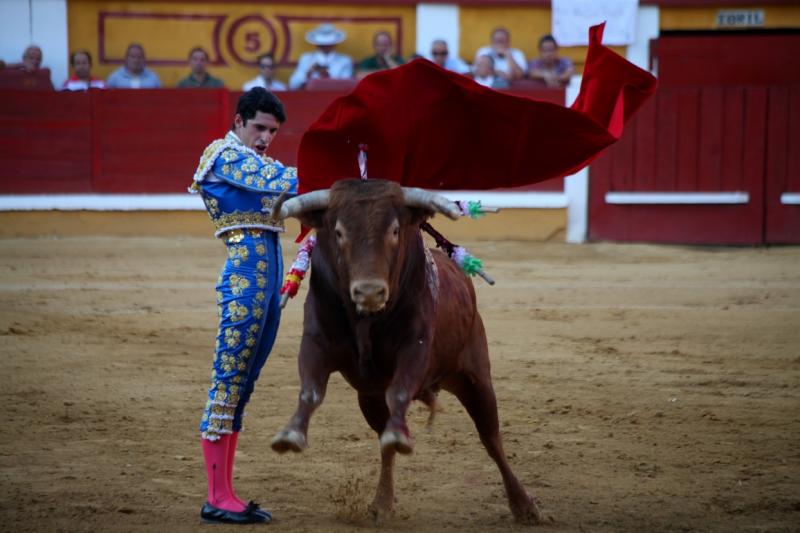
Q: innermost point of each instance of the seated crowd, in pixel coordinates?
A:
(496, 65)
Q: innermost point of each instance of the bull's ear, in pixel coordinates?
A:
(418, 215)
(313, 219)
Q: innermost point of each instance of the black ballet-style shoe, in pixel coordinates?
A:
(252, 514)
(258, 510)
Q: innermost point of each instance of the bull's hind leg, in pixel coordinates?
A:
(477, 396)
(431, 400)
(377, 413)
(314, 375)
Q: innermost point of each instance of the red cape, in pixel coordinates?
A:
(431, 128)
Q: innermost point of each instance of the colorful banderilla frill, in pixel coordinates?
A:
(474, 210)
(468, 263)
(301, 264)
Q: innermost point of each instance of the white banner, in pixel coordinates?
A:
(572, 19)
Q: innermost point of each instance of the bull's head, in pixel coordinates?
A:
(364, 229)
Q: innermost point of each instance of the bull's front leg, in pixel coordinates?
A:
(411, 367)
(315, 370)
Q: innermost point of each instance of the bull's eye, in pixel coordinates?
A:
(393, 233)
(338, 230)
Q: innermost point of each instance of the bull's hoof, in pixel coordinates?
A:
(528, 513)
(289, 440)
(381, 512)
(397, 440)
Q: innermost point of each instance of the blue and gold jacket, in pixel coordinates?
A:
(239, 186)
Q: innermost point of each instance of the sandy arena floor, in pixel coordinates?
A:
(641, 388)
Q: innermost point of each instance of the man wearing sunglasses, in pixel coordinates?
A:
(440, 55)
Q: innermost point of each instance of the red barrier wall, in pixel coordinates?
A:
(145, 141)
(686, 140)
(726, 118)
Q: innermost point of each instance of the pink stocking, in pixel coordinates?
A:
(220, 494)
(231, 458)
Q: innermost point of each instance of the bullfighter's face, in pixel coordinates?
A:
(257, 133)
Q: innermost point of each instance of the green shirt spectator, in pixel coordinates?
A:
(383, 58)
(199, 78)
(207, 82)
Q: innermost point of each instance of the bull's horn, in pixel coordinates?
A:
(420, 198)
(298, 205)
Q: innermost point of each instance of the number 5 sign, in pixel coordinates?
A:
(249, 37)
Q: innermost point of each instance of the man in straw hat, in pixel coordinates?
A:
(324, 62)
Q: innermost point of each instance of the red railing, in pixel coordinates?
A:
(145, 141)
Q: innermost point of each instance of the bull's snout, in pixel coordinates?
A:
(369, 295)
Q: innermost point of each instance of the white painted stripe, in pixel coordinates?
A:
(790, 198)
(738, 197)
(512, 200)
(190, 202)
(102, 202)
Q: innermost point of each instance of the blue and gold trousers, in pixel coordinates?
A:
(248, 304)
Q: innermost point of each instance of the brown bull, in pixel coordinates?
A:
(397, 322)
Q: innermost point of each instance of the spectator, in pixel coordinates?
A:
(265, 79)
(82, 79)
(509, 63)
(485, 74)
(440, 55)
(325, 62)
(553, 70)
(383, 58)
(199, 77)
(133, 74)
(31, 58)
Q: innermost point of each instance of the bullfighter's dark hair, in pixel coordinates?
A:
(259, 99)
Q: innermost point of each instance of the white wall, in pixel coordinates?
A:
(41, 22)
(438, 21)
(647, 27)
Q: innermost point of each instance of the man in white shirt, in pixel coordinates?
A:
(134, 74)
(265, 78)
(324, 62)
(440, 54)
(509, 63)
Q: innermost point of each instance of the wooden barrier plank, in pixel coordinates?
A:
(622, 177)
(644, 153)
(709, 164)
(688, 139)
(782, 165)
(733, 110)
(753, 150)
(667, 126)
(793, 140)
